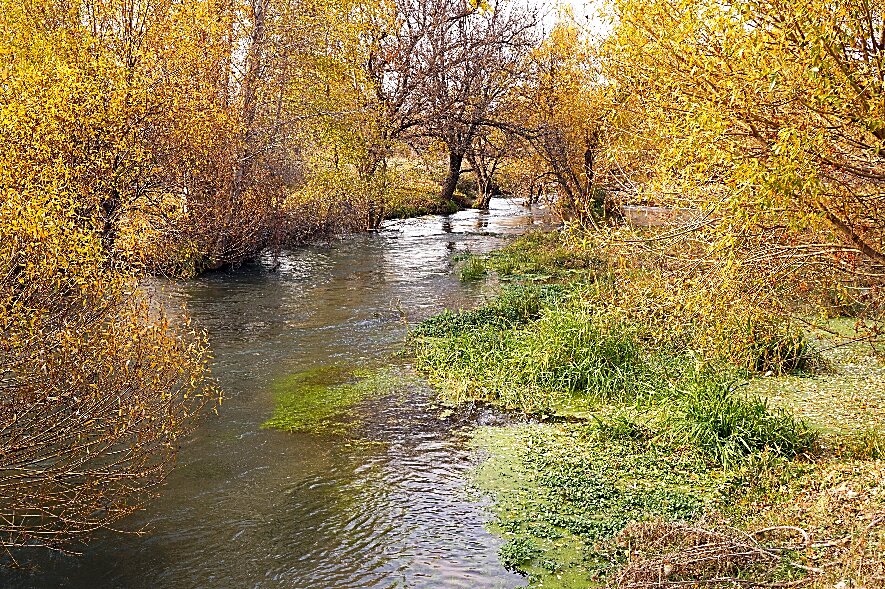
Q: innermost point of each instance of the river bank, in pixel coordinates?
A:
(648, 465)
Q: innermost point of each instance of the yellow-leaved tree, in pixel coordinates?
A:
(97, 386)
(780, 101)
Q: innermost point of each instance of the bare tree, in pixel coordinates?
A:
(446, 68)
(486, 153)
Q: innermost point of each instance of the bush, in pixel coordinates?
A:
(98, 386)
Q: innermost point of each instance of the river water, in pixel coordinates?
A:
(254, 507)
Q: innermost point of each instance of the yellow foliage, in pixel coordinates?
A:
(97, 384)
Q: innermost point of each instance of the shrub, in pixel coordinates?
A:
(98, 386)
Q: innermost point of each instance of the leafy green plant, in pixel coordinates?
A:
(518, 552)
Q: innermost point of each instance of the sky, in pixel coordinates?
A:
(586, 11)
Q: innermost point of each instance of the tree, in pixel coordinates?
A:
(781, 101)
(568, 114)
(97, 385)
(486, 154)
(464, 59)
(345, 127)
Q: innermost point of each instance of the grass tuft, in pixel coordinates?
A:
(730, 427)
(472, 269)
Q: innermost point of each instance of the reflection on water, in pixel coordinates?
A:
(250, 507)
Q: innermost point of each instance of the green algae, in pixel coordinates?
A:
(325, 399)
(563, 493)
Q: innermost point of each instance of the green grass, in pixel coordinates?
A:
(729, 426)
(417, 200)
(541, 257)
(516, 305)
(471, 269)
(538, 350)
(527, 349)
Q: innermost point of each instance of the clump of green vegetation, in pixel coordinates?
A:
(516, 305)
(473, 268)
(541, 256)
(730, 427)
(518, 553)
(501, 354)
(537, 352)
(787, 352)
(321, 399)
(564, 492)
(645, 418)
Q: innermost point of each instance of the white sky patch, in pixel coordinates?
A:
(587, 12)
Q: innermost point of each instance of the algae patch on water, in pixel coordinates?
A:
(564, 492)
(323, 400)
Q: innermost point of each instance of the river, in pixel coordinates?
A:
(389, 506)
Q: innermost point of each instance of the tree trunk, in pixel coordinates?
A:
(487, 189)
(242, 164)
(483, 180)
(448, 189)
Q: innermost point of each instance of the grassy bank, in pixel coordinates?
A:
(672, 444)
(415, 201)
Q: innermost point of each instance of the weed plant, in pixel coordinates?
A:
(473, 268)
